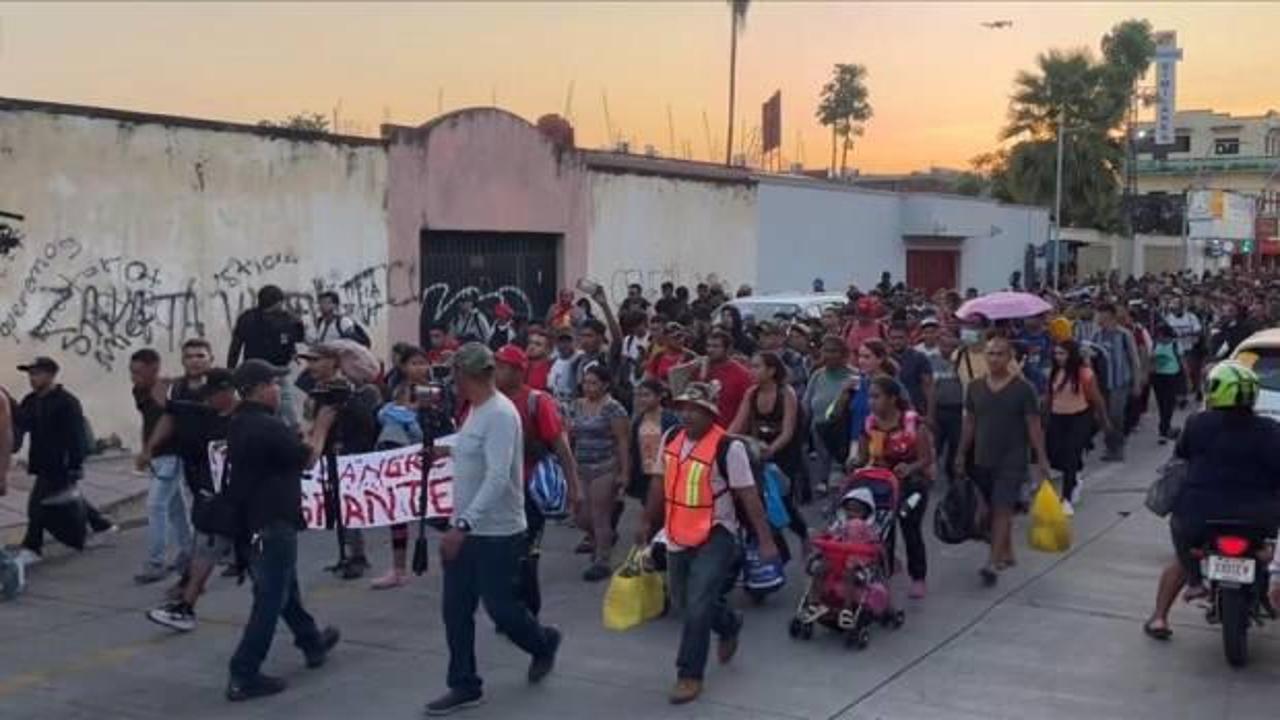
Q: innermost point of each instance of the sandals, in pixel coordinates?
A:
(1156, 633)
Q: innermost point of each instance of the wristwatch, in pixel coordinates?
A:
(461, 525)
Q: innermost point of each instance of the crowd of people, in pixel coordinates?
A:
(672, 404)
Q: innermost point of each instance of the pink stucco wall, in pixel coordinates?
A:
(481, 169)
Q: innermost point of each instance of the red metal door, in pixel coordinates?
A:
(931, 270)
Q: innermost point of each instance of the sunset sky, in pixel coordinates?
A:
(939, 82)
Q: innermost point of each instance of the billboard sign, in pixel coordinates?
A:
(1221, 215)
(1167, 56)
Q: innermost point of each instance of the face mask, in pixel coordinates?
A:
(969, 336)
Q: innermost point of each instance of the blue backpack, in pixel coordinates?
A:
(548, 487)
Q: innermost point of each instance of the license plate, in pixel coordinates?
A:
(1229, 569)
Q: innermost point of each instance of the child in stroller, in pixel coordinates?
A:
(848, 587)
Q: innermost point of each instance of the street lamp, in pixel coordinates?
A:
(1055, 268)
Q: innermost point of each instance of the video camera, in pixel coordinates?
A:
(334, 393)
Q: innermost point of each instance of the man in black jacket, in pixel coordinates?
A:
(266, 462)
(269, 332)
(52, 418)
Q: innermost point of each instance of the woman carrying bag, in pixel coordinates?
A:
(1074, 403)
(769, 415)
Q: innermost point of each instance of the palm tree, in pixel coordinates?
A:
(738, 13)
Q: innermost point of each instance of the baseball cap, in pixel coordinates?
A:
(702, 395)
(929, 321)
(317, 351)
(473, 358)
(40, 364)
(253, 373)
(503, 311)
(673, 328)
(512, 355)
(217, 380)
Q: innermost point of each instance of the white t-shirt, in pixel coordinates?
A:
(560, 380)
(1186, 328)
(739, 477)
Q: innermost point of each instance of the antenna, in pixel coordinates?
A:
(337, 110)
(608, 123)
(706, 128)
(671, 132)
(568, 103)
(440, 100)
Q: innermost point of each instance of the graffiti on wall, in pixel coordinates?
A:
(103, 307)
(440, 302)
(10, 233)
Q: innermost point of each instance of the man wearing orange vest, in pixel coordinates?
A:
(705, 471)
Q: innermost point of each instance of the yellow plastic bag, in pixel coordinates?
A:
(635, 594)
(1050, 529)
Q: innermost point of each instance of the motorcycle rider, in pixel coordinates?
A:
(1233, 472)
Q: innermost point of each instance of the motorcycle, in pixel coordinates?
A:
(1233, 562)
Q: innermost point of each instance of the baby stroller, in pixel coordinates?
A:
(848, 588)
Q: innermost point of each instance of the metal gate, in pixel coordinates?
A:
(488, 267)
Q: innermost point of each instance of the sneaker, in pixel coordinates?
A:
(1068, 509)
(586, 547)
(1163, 440)
(597, 572)
(353, 568)
(328, 639)
(540, 667)
(27, 557)
(175, 616)
(1075, 492)
(989, 577)
(393, 579)
(99, 538)
(686, 691)
(259, 687)
(453, 701)
(727, 647)
(151, 574)
(917, 591)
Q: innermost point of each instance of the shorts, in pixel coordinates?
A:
(1002, 486)
(210, 548)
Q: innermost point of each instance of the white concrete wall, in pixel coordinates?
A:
(651, 229)
(140, 234)
(994, 236)
(814, 230)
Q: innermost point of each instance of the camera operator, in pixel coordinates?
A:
(354, 431)
(267, 460)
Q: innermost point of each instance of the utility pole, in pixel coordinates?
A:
(1055, 268)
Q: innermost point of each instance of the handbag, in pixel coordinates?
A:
(216, 514)
(774, 507)
(636, 594)
(1163, 493)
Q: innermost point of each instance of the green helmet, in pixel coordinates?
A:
(1231, 385)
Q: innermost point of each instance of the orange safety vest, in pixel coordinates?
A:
(689, 494)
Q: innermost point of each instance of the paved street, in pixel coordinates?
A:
(1059, 638)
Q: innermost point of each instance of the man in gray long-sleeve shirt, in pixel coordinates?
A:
(481, 551)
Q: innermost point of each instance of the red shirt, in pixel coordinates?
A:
(734, 379)
(536, 375)
(548, 428)
(859, 333)
(661, 364)
(441, 355)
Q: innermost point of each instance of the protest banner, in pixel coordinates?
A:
(376, 489)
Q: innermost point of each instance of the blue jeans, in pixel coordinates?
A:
(167, 512)
(699, 578)
(274, 567)
(485, 569)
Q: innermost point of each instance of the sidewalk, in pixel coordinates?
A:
(109, 483)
